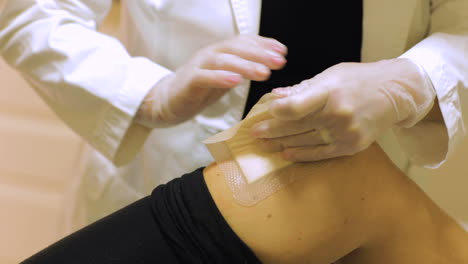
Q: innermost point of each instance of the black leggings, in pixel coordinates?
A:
(178, 223)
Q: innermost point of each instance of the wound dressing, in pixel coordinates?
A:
(251, 174)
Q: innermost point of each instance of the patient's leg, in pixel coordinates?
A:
(360, 204)
(359, 208)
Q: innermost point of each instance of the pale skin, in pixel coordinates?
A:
(360, 209)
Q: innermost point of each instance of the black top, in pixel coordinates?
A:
(178, 223)
(318, 34)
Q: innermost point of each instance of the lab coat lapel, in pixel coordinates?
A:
(386, 26)
(246, 15)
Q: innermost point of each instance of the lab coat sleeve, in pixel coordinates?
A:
(444, 57)
(87, 78)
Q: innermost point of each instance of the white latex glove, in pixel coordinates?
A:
(345, 109)
(207, 76)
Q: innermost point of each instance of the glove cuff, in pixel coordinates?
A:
(416, 96)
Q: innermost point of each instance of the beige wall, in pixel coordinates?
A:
(448, 185)
(39, 160)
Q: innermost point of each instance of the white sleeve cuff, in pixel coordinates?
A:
(429, 144)
(117, 137)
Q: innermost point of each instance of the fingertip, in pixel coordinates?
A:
(281, 91)
(279, 63)
(262, 73)
(276, 45)
(280, 48)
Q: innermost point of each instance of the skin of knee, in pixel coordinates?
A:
(425, 234)
(334, 209)
(413, 229)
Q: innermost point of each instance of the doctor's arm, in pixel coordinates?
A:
(108, 97)
(350, 208)
(86, 77)
(419, 95)
(443, 54)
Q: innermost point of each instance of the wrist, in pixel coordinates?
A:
(414, 93)
(153, 112)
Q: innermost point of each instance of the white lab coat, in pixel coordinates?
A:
(95, 83)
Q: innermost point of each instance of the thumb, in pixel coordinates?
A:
(297, 101)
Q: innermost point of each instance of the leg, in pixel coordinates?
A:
(360, 208)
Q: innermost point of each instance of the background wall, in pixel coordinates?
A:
(39, 158)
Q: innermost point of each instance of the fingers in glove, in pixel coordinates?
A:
(315, 153)
(308, 139)
(274, 128)
(297, 101)
(320, 152)
(216, 79)
(250, 50)
(229, 62)
(271, 43)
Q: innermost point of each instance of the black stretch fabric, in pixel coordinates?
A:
(318, 34)
(178, 223)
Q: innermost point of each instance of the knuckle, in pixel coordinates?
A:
(344, 110)
(280, 107)
(218, 60)
(292, 109)
(345, 114)
(300, 88)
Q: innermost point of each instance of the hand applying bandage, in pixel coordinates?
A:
(344, 109)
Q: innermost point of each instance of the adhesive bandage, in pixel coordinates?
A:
(251, 173)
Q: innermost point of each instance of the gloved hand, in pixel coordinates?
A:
(345, 109)
(208, 75)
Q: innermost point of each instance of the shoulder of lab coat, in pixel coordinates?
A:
(444, 57)
(87, 78)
